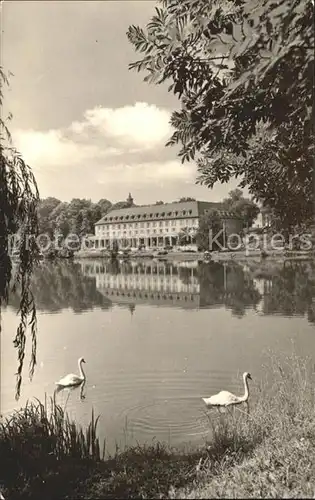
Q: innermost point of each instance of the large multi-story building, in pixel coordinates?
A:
(153, 226)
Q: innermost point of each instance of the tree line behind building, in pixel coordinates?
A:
(79, 215)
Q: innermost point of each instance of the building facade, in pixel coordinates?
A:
(153, 226)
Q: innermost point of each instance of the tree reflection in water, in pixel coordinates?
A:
(287, 289)
(60, 285)
(228, 285)
(290, 290)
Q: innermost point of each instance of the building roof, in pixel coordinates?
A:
(166, 211)
(185, 300)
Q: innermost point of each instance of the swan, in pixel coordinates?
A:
(225, 398)
(71, 378)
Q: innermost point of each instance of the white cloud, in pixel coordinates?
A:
(141, 125)
(103, 133)
(41, 149)
(109, 153)
(121, 148)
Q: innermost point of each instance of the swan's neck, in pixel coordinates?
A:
(82, 374)
(246, 393)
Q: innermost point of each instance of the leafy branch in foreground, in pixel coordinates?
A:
(18, 219)
(243, 72)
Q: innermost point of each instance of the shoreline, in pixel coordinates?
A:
(267, 452)
(240, 256)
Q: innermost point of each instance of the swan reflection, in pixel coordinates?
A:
(71, 389)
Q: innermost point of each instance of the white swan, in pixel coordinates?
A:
(225, 398)
(71, 378)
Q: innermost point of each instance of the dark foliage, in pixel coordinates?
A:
(243, 72)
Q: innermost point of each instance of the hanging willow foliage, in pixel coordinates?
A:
(18, 223)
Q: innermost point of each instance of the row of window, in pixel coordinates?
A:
(135, 233)
(148, 270)
(146, 296)
(177, 213)
(145, 232)
(165, 223)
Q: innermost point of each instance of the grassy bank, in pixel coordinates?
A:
(269, 452)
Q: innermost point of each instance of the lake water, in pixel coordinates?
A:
(156, 338)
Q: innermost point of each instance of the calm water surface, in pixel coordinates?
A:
(157, 337)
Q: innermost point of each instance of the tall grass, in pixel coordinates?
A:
(271, 451)
(266, 452)
(37, 439)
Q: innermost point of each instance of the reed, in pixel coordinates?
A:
(40, 441)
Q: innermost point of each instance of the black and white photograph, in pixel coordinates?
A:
(157, 249)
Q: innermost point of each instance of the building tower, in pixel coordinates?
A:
(130, 200)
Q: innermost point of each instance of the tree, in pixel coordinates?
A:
(242, 207)
(86, 222)
(115, 249)
(210, 220)
(121, 204)
(78, 216)
(184, 236)
(243, 72)
(62, 224)
(74, 214)
(19, 198)
(186, 199)
(45, 207)
(58, 211)
(101, 208)
(159, 202)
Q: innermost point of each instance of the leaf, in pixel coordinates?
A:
(237, 32)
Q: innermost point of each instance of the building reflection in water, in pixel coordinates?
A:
(189, 285)
(264, 287)
(152, 282)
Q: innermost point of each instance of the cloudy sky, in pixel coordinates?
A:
(88, 126)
